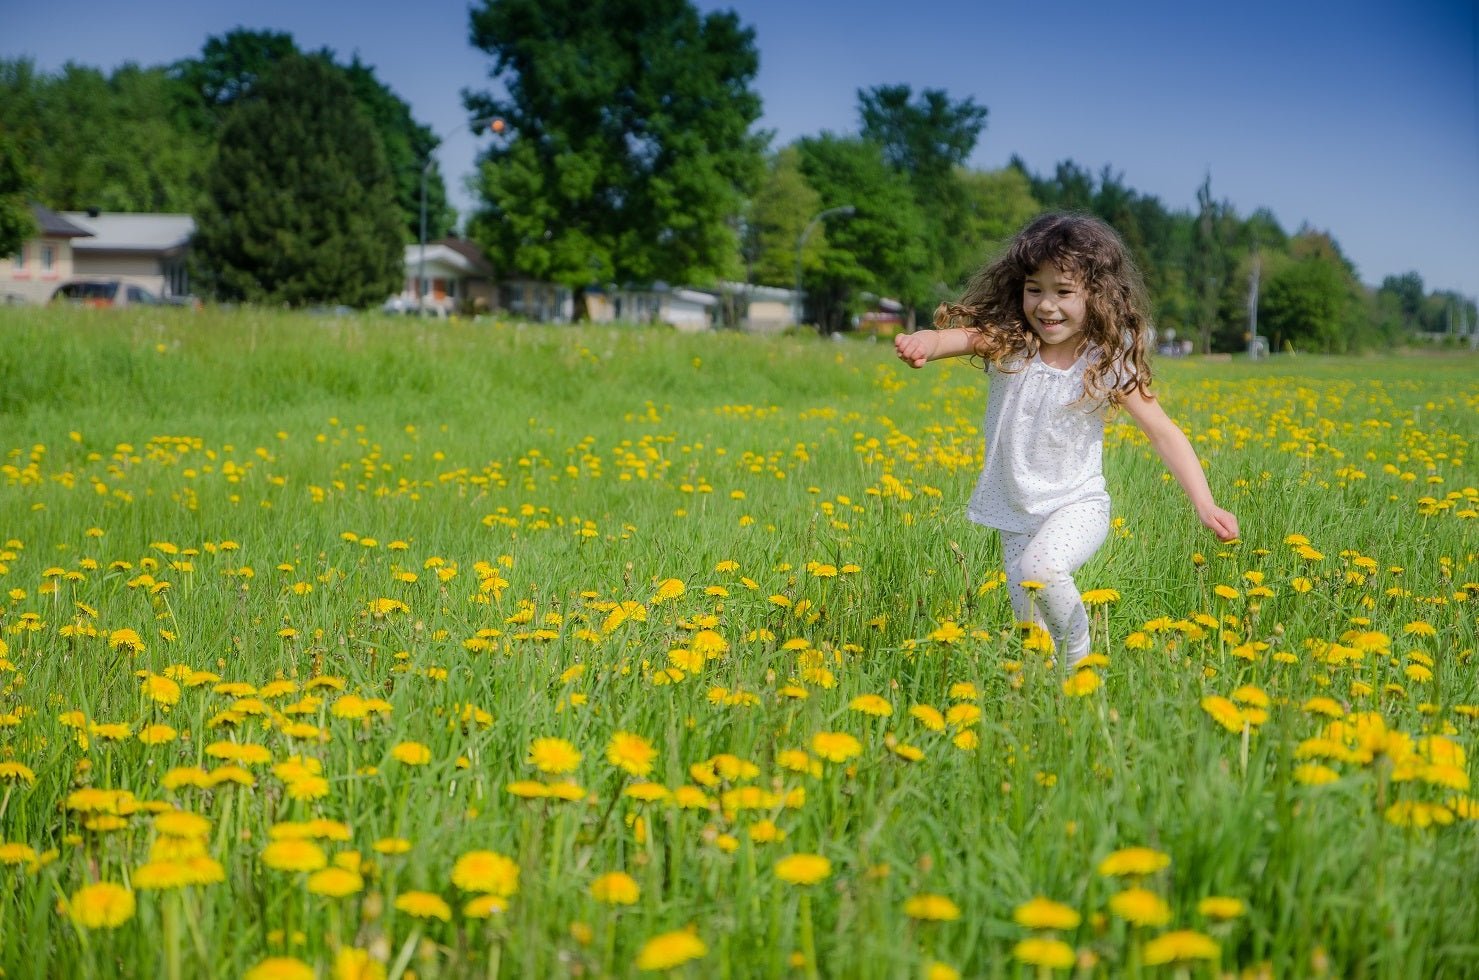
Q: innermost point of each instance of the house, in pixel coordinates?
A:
(534, 299)
(763, 309)
(452, 273)
(688, 310)
(149, 250)
(32, 274)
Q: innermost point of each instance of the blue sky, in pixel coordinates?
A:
(1360, 117)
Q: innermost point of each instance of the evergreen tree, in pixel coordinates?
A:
(230, 66)
(628, 150)
(301, 207)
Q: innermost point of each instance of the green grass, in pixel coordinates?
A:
(561, 471)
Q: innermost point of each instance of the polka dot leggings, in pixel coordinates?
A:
(1067, 539)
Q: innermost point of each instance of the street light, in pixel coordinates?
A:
(493, 122)
(845, 211)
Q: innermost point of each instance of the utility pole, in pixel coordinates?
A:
(845, 211)
(1255, 342)
(496, 125)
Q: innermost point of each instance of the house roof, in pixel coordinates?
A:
(458, 254)
(113, 231)
(53, 225)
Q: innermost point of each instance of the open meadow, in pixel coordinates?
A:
(365, 647)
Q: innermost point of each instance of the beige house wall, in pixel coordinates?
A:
(141, 270)
(29, 282)
(768, 316)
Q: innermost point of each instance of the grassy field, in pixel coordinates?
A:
(369, 647)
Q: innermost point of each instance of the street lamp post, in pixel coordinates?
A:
(844, 211)
(497, 124)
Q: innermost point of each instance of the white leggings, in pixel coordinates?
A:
(1067, 539)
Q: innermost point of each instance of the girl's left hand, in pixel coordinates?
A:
(1220, 522)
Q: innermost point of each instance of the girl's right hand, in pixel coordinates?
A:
(915, 349)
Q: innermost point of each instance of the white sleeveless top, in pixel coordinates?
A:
(1042, 451)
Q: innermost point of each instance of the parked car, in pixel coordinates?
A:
(104, 292)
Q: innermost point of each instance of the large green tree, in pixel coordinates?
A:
(928, 138)
(1312, 300)
(877, 249)
(231, 65)
(628, 150)
(300, 205)
(16, 221)
(119, 142)
(776, 218)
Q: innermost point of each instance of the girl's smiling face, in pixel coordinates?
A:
(1055, 305)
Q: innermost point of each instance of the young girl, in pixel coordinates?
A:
(1061, 320)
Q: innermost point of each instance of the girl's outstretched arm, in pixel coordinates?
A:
(915, 349)
(1174, 449)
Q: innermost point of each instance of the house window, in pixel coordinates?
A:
(48, 258)
(20, 260)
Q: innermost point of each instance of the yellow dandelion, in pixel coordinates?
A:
(103, 905)
(616, 888)
(423, 905)
(280, 968)
(668, 588)
(1082, 683)
(1180, 947)
(836, 746)
(1133, 862)
(670, 950)
(803, 869)
(488, 872)
(335, 882)
(928, 907)
(871, 704)
(1051, 954)
(631, 753)
(1044, 913)
(1141, 907)
(411, 753)
(294, 855)
(553, 755)
(1221, 907)
(16, 772)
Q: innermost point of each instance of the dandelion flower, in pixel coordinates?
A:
(1140, 907)
(423, 905)
(411, 753)
(871, 704)
(280, 968)
(931, 908)
(1133, 862)
(294, 855)
(103, 905)
(553, 755)
(335, 882)
(488, 872)
(1044, 913)
(1179, 947)
(669, 950)
(631, 753)
(803, 869)
(836, 746)
(1052, 954)
(616, 888)
(357, 964)
(1221, 907)
(11, 772)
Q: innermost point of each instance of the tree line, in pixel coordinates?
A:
(627, 153)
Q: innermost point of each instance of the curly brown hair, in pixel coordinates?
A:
(1117, 327)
